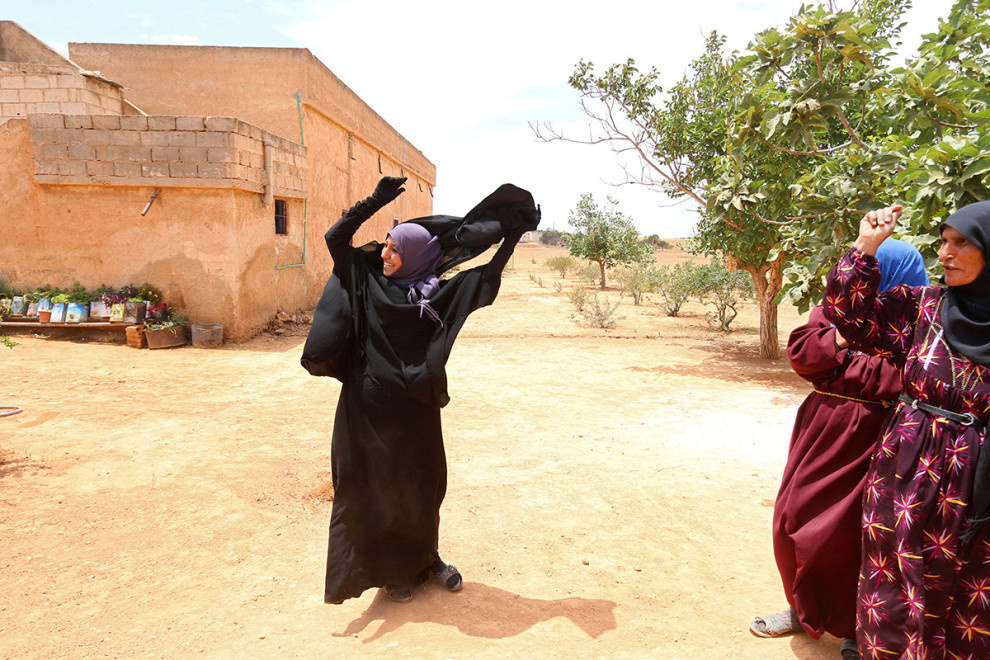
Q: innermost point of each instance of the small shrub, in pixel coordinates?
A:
(676, 285)
(578, 297)
(637, 279)
(721, 288)
(601, 313)
(562, 263)
(536, 278)
(588, 272)
(558, 287)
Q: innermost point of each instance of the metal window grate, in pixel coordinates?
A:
(281, 217)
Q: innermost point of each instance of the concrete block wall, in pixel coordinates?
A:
(164, 150)
(27, 89)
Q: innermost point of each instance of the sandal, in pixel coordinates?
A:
(849, 650)
(780, 624)
(448, 575)
(399, 593)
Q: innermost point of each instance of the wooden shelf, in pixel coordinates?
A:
(90, 325)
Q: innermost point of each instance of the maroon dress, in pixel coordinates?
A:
(817, 517)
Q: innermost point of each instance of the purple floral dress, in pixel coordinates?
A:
(923, 592)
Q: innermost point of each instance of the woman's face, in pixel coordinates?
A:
(391, 258)
(962, 260)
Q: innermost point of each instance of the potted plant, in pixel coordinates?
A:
(77, 310)
(45, 294)
(152, 297)
(32, 306)
(173, 331)
(113, 301)
(134, 310)
(59, 303)
(18, 305)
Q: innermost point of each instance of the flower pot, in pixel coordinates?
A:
(58, 312)
(45, 316)
(18, 305)
(167, 337)
(97, 310)
(117, 313)
(135, 336)
(76, 312)
(207, 335)
(134, 312)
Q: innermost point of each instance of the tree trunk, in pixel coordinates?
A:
(767, 289)
(601, 267)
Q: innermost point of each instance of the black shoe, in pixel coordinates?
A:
(448, 575)
(849, 650)
(401, 593)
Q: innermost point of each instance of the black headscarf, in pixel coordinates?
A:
(966, 310)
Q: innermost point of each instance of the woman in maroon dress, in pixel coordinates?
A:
(818, 512)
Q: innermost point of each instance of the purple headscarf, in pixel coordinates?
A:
(420, 252)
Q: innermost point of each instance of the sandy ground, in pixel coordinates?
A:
(610, 494)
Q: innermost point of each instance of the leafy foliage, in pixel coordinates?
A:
(562, 264)
(716, 285)
(638, 279)
(675, 285)
(606, 237)
(785, 147)
(552, 237)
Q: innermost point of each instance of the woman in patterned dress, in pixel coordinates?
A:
(924, 589)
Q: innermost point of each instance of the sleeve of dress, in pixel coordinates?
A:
(339, 236)
(879, 324)
(811, 348)
(494, 268)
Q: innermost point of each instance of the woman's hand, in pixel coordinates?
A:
(875, 228)
(388, 189)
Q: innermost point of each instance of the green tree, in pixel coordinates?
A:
(680, 139)
(605, 236)
(676, 285)
(785, 147)
(716, 285)
(865, 133)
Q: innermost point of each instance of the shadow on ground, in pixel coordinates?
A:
(479, 610)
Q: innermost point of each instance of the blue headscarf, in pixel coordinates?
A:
(900, 263)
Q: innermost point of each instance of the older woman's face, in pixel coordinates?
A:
(390, 257)
(962, 260)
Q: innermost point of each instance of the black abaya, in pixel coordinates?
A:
(388, 462)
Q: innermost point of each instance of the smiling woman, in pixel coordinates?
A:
(399, 321)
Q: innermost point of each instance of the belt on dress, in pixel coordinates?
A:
(980, 505)
(966, 419)
(878, 402)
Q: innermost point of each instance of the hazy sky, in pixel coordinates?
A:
(460, 80)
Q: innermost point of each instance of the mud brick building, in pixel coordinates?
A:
(210, 172)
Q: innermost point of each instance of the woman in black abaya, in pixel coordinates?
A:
(388, 463)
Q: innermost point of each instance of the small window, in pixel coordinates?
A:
(281, 217)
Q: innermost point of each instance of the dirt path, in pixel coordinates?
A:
(610, 494)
